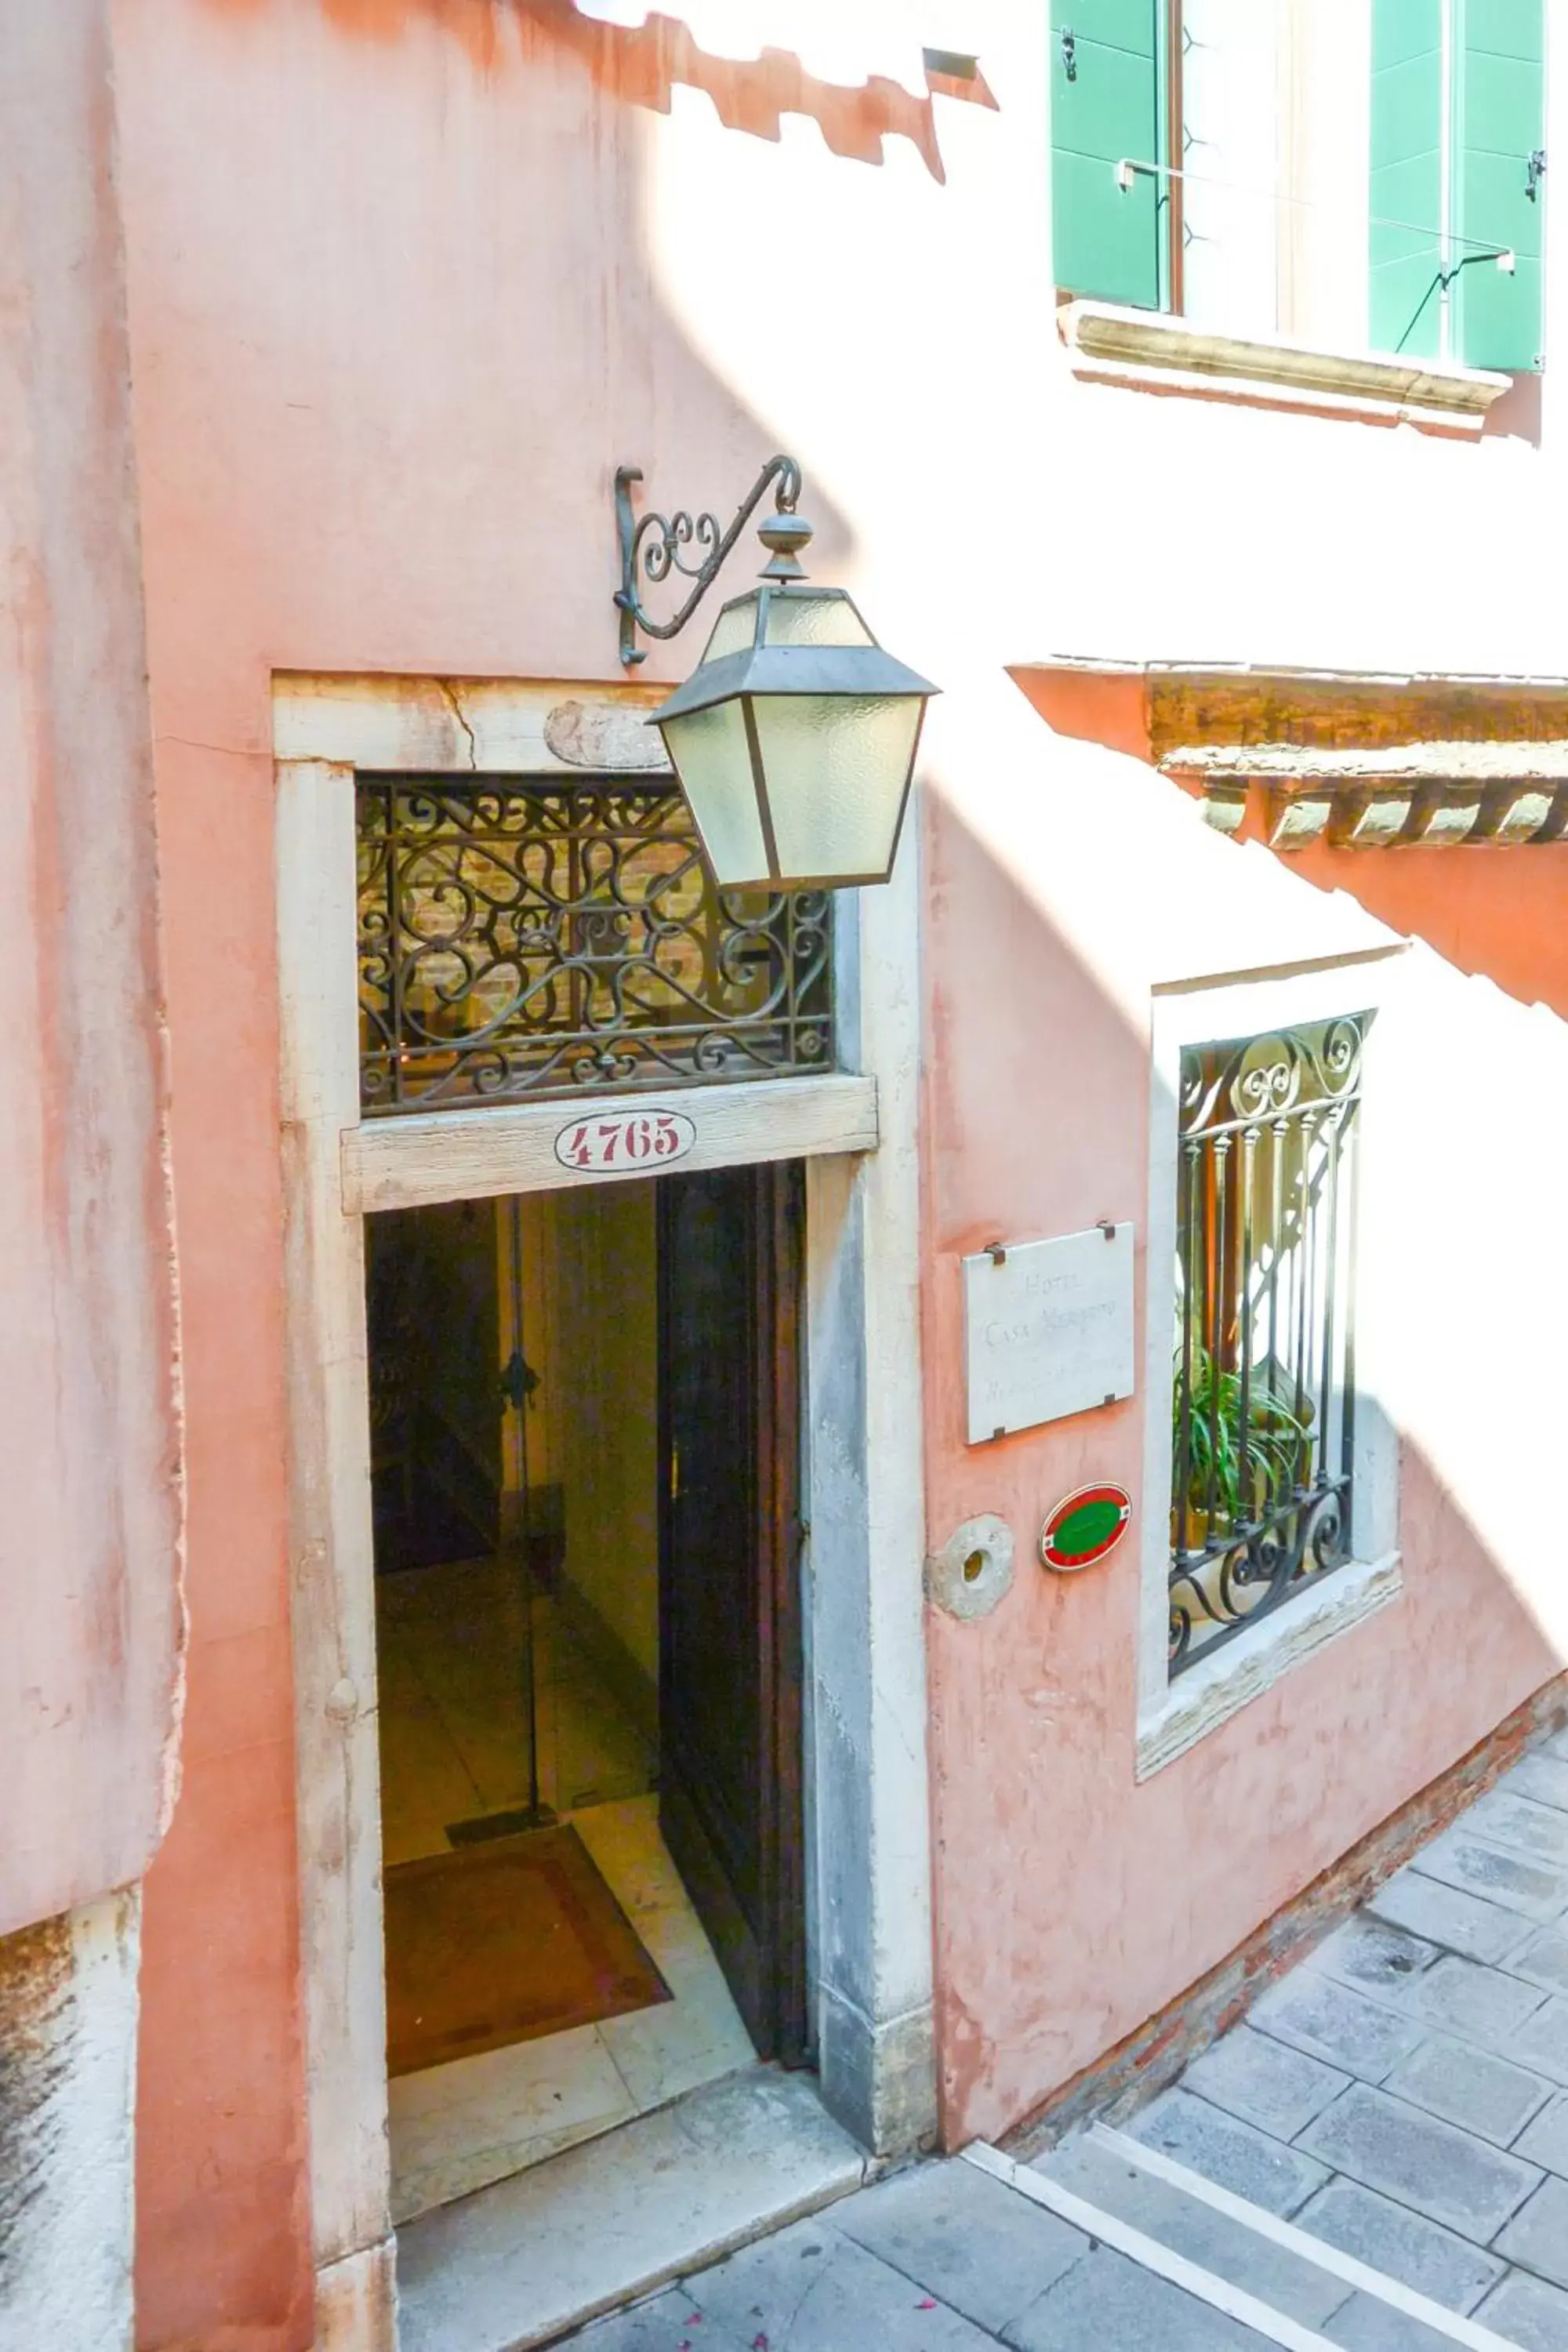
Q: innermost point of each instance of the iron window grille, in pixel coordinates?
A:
(521, 940)
(1263, 1421)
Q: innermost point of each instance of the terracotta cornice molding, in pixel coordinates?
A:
(1363, 759)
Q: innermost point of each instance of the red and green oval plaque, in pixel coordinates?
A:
(1085, 1526)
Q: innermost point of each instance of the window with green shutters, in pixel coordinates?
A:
(1108, 106)
(1458, 192)
(1238, 231)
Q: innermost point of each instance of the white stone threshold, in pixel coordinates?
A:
(1215, 1688)
(1152, 350)
(611, 2219)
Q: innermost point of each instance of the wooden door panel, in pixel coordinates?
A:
(729, 1608)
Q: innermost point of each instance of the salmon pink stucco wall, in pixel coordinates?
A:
(1072, 1902)
(89, 1686)
(407, 280)
(393, 326)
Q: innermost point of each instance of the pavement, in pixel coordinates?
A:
(1375, 2159)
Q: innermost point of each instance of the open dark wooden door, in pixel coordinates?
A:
(729, 1610)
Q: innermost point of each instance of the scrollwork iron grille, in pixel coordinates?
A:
(1263, 1425)
(529, 940)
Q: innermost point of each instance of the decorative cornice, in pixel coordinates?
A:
(1361, 759)
(1158, 352)
(1432, 795)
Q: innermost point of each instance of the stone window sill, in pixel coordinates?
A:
(1213, 1689)
(1150, 351)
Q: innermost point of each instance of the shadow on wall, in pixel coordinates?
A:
(1494, 911)
(640, 65)
(1131, 1892)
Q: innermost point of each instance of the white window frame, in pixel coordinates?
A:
(1174, 1712)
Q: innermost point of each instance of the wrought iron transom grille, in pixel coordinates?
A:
(529, 940)
(1263, 1426)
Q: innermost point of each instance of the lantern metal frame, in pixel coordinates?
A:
(859, 672)
(656, 545)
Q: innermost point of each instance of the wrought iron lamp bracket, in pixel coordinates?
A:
(658, 545)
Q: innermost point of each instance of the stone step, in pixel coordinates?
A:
(1287, 2268)
(517, 2264)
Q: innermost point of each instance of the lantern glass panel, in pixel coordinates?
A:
(735, 630)
(808, 620)
(711, 757)
(835, 766)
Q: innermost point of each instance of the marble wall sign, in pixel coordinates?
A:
(1048, 1328)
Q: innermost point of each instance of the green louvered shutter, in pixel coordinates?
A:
(1457, 115)
(1407, 257)
(1106, 106)
(1500, 54)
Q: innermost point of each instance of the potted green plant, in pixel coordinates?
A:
(1221, 1493)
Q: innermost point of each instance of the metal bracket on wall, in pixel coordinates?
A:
(655, 544)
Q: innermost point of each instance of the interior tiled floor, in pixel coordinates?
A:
(452, 1649)
(453, 1745)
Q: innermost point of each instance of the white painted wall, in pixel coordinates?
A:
(67, 2079)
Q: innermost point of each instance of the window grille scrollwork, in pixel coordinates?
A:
(1263, 1424)
(524, 940)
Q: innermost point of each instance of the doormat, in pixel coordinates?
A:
(503, 1942)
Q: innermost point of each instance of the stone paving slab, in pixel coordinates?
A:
(1537, 2237)
(808, 2289)
(1107, 2303)
(1507, 1817)
(1461, 1859)
(1264, 2081)
(1544, 1960)
(1404, 2245)
(1371, 1954)
(1235, 2154)
(1541, 2041)
(1330, 2021)
(1286, 2281)
(1473, 2088)
(1546, 2141)
(1528, 2313)
(1544, 1776)
(1442, 1914)
(969, 2240)
(1447, 2174)
(666, 2323)
(1402, 2096)
(1483, 2004)
(1365, 2325)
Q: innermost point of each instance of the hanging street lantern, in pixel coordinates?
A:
(795, 737)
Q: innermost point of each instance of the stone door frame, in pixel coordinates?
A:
(869, 1931)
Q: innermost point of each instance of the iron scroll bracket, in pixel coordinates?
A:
(658, 545)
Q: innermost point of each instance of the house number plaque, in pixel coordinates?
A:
(1048, 1328)
(625, 1142)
